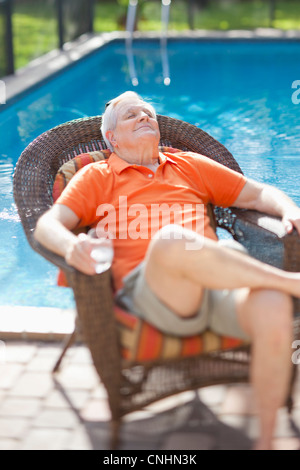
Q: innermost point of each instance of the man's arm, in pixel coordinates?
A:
(53, 231)
(265, 198)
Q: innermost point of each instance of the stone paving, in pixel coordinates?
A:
(68, 410)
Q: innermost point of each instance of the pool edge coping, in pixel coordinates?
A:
(48, 65)
(36, 323)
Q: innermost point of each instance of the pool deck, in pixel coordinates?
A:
(68, 410)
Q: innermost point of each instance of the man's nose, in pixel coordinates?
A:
(143, 115)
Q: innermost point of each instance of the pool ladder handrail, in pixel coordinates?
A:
(130, 22)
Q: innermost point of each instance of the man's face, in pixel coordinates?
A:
(135, 124)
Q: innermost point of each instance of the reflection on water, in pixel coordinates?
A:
(239, 92)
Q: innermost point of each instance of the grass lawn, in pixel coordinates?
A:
(35, 26)
(219, 14)
(34, 31)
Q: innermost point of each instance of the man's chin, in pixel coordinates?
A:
(148, 133)
(151, 139)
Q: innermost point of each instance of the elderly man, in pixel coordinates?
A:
(180, 278)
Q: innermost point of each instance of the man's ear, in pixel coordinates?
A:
(111, 138)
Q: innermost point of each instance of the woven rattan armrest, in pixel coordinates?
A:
(262, 234)
(265, 238)
(57, 260)
(94, 303)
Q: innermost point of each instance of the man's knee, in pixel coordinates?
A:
(269, 313)
(170, 243)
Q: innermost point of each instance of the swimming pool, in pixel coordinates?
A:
(238, 91)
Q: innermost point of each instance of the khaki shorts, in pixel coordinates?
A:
(216, 313)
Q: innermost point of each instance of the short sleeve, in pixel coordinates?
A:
(84, 192)
(223, 185)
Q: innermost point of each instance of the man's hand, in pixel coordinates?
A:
(54, 231)
(291, 219)
(265, 198)
(79, 256)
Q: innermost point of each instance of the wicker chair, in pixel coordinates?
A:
(131, 385)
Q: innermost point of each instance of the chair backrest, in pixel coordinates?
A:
(39, 162)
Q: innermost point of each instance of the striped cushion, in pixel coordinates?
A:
(68, 169)
(140, 341)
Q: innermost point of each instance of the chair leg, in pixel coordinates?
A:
(115, 433)
(69, 341)
(290, 401)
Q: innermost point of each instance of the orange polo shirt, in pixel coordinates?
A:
(133, 202)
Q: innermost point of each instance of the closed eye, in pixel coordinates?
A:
(146, 111)
(133, 114)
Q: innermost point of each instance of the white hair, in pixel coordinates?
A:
(110, 115)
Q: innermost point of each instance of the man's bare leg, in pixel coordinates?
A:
(267, 318)
(170, 264)
(178, 276)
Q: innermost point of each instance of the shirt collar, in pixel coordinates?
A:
(163, 158)
(119, 165)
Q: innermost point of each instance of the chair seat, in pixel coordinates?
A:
(142, 342)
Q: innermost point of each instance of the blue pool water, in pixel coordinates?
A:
(240, 92)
